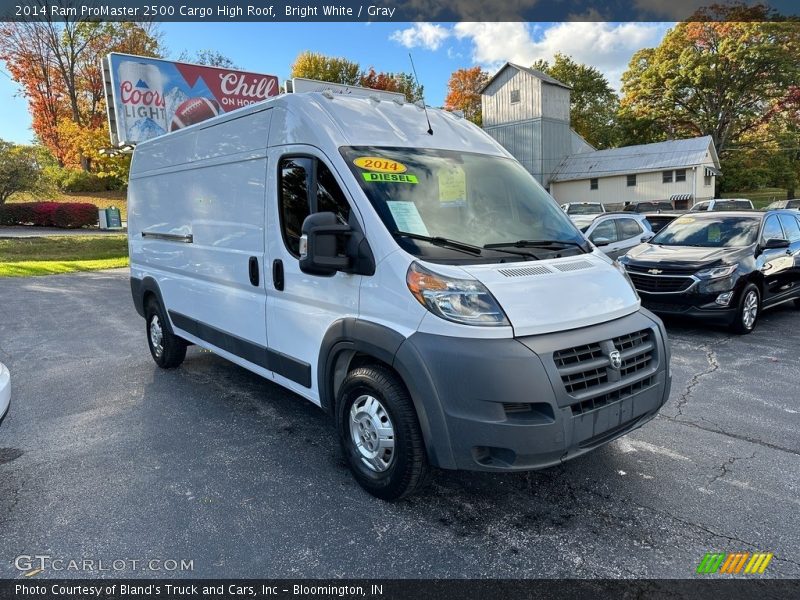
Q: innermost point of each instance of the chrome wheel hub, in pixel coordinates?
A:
(372, 433)
(750, 309)
(156, 336)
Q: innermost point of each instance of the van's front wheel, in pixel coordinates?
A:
(167, 349)
(380, 433)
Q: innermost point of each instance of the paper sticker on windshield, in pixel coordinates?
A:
(714, 233)
(452, 185)
(684, 220)
(379, 165)
(407, 217)
(389, 178)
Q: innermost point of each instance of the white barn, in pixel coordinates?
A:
(527, 112)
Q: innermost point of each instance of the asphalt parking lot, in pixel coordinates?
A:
(105, 456)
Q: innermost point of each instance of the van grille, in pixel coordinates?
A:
(586, 368)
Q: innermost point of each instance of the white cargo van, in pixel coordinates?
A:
(422, 288)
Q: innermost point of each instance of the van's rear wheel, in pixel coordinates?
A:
(166, 348)
(380, 433)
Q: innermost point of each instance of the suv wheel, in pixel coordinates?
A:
(167, 349)
(380, 434)
(748, 310)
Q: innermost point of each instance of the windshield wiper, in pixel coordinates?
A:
(441, 242)
(536, 244)
(456, 245)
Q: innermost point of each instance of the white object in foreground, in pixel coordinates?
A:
(5, 390)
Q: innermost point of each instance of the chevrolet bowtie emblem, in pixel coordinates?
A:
(655, 271)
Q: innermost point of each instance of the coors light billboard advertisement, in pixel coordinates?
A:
(148, 97)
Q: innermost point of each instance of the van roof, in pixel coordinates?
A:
(351, 121)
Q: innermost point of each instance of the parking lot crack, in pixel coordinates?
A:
(727, 466)
(713, 365)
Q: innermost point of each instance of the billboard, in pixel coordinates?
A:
(148, 97)
(299, 85)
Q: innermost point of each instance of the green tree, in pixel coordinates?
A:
(713, 76)
(313, 65)
(208, 57)
(19, 169)
(593, 103)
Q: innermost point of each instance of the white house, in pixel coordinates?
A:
(527, 112)
(676, 170)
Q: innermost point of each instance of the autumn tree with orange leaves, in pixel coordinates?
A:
(464, 92)
(57, 65)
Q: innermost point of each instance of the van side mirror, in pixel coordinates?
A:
(323, 236)
(774, 243)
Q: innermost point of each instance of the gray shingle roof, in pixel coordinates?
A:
(636, 159)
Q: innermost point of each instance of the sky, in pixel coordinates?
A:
(438, 50)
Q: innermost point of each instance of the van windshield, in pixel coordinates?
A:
(487, 202)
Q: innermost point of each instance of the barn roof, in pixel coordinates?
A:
(538, 74)
(637, 159)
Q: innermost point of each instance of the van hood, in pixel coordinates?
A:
(554, 295)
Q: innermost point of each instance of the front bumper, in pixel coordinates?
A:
(5, 391)
(695, 305)
(522, 404)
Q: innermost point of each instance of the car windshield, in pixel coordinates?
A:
(716, 232)
(732, 204)
(584, 209)
(462, 197)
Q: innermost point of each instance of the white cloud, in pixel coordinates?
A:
(422, 35)
(606, 46)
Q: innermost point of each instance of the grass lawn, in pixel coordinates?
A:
(99, 199)
(23, 257)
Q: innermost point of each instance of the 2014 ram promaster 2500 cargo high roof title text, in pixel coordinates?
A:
(421, 287)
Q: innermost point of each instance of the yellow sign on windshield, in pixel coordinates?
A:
(452, 184)
(379, 165)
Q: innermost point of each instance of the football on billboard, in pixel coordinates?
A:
(194, 110)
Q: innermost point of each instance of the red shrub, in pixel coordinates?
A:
(75, 214)
(49, 214)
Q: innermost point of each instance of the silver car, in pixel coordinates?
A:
(616, 233)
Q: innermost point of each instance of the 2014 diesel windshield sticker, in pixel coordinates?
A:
(379, 165)
(389, 178)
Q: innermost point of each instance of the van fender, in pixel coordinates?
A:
(140, 288)
(350, 336)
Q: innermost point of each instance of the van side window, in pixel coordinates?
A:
(294, 201)
(306, 186)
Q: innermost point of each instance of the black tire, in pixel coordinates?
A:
(741, 323)
(172, 349)
(405, 467)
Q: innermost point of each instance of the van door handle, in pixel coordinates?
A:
(253, 270)
(277, 274)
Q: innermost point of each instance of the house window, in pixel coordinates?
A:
(707, 180)
(514, 96)
(593, 183)
(631, 180)
(666, 177)
(680, 175)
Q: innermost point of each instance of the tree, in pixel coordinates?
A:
(593, 104)
(57, 64)
(313, 65)
(713, 76)
(19, 170)
(208, 57)
(464, 92)
(403, 83)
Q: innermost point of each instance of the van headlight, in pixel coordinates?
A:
(465, 301)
